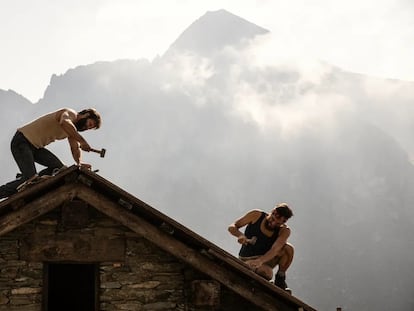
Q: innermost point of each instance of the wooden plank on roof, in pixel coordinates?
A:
(36, 208)
(231, 260)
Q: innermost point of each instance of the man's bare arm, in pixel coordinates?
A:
(250, 217)
(66, 120)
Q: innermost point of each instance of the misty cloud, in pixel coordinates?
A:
(204, 137)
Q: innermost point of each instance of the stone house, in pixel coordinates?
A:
(77, 242)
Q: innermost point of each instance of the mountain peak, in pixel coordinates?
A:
(215, 30)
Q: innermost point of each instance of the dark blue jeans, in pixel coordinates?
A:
(26, 155)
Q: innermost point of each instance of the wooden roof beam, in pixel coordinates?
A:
(184, 253)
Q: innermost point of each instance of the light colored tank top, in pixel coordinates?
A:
(43, 130)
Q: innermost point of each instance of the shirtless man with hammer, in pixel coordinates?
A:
(264, 242)
(28, 144)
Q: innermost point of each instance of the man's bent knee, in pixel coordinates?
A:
(287, 250)
(265, 271)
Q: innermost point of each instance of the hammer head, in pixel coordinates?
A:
(252, 241)
(101, 152)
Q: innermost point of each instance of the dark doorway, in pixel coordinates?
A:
(71, 287)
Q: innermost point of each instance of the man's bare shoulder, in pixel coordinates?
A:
(66, 113)
(253, 215)
(255, 212)
(285, 227)
(250, 217)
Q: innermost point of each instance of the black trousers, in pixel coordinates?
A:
(26, 155)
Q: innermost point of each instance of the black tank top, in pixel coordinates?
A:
(263, 242)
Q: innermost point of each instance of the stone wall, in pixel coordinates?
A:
(146, 279)
(20, 281)
(150, 279)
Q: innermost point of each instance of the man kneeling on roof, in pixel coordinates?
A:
(264, 242)
(29, 143)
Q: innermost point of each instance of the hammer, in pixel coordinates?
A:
(101, 152)
(252, 241)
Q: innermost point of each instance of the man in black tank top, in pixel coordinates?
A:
(264, 242)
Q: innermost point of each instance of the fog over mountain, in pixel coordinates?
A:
(223, 122)
(213, 32)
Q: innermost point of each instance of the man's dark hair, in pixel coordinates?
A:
(284, 210)
(92, 114)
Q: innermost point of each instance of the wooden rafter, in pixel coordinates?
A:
(182, 251)
(36, 208)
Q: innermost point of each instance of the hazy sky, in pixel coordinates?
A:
(45, 37)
